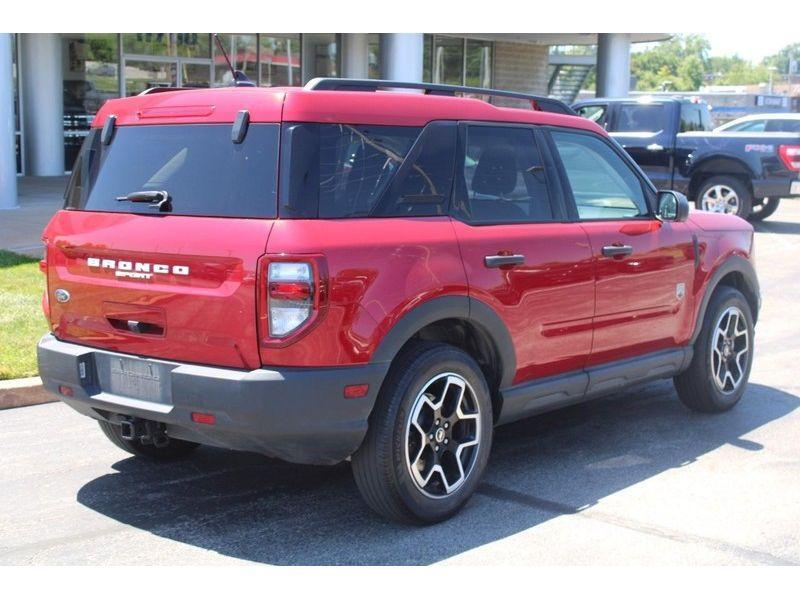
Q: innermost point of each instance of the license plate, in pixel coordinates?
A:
(794, 190)
(136, 379)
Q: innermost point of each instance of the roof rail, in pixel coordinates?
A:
(163, 88)
(541, 103)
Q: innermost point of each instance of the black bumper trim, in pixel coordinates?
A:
(299, 415)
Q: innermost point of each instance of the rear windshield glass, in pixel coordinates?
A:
(201, 169)
(650, 118)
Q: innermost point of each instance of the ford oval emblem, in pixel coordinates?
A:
(62, 295)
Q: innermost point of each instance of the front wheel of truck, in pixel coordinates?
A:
(429, 437)
(724, 194)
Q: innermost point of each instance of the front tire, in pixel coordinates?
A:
(174, 450)
(429, 436)
(724, 194)
(723, 355)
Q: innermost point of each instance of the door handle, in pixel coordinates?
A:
(617, 250)
(503, 260)
(655, 147)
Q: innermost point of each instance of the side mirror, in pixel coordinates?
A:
(672, 206)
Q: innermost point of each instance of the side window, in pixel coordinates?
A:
(641, 118)
(603, 185)
(594, 112)
(423, 183)
(691, 119)
(502, 177)
(784, 125)
(752, 126)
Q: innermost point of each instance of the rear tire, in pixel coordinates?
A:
(723, 193)
(767, 208)
(174, 450)
(718, 374)
(429, 436)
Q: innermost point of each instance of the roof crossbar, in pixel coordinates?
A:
(541, 103)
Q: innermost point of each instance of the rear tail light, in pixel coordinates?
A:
(790, 155)
(292, 297)
(290, 290)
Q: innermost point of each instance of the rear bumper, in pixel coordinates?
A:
(299, 415)
(782, 187)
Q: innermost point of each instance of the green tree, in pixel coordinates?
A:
(782, 58)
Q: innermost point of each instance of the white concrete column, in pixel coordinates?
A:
(613, 64)
(401, 56)
(355, 55)
(8, 157)
(42, 102)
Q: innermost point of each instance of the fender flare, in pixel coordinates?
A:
(469, 309)
(732, 264)
(697, 167)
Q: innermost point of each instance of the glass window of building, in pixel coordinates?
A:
(457, 61)
(479, 64)
(280, 60)
(374, 69)
(448, 60)
(320, 55)
(427, 46)
(90, 77)
(193, 45)
(151, 44)
(242, 49)
(144, 74)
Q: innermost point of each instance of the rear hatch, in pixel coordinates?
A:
(176, 279)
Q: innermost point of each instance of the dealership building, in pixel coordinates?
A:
(52, 85)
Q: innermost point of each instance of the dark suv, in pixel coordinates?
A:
(343, 271)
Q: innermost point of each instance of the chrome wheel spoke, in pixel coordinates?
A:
(443, 435)
(730, 348)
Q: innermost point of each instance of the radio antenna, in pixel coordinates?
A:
(239, 78)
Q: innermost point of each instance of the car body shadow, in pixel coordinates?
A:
(774, 226)
(254, 508)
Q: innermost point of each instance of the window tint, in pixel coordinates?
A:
(203, 172)
(596, 113)
(755, 126)
(340, 171)
(642, 117)
(691, 119)
(785, 125)
(502, 178)
(604, 187)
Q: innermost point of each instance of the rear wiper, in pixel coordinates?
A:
(156, 199)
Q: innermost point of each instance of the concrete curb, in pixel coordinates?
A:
(15, 393)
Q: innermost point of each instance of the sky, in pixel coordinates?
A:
(753, 46)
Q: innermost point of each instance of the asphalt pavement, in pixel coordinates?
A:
(631, 479)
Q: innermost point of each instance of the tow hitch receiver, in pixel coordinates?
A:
(143, 431)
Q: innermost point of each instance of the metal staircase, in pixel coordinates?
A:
(567, 75)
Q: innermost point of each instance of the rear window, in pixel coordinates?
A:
(650, 118)
(344, 171)
(201, 169)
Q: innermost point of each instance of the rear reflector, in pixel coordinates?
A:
(356, 391)
(65, 390)
(204, 418)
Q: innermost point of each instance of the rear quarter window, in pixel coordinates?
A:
(204, 173)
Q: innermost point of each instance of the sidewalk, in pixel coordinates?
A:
(21, 228)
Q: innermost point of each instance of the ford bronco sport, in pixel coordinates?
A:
(349, 271)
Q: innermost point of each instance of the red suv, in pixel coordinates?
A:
(348, 271)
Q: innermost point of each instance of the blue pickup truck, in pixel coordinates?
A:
(740, 173)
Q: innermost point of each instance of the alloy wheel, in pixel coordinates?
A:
(443, 435)
(730, 345)
(721, 199)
